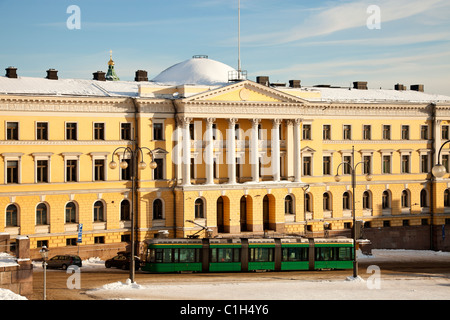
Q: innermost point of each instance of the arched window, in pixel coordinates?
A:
(346, 201)
(71, 213)
(158, 209)
(288, 205)
(326, 201)
(11, 215)
(367, 201)
(447, 198)
(41, 214)
(386, 200)
(199, 209)
(423, 198)
(125, 210)
(405, 199)
(98, 211)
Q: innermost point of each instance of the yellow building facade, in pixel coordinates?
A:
(234, 159)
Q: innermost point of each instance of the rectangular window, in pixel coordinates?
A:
(386, 164)
(367, 132)
(445, 134)
(99, 131)
(326, 132)
(405, 164)
(12, 172)
(41, 131)
(424, 132)
(99, 170)
(12, 131)
(71, 131)
(424, 163)
(445, 161)
(306, 132)
(346, 168)
(125, 131)
(405, 132)
(326, 165)
(386, 132)
(367, 160)
(347, 134)
(306, 166)
(158, 172)
(158, 131)
(42, 171)
(126, 173)
(261, 255)
(71, 170)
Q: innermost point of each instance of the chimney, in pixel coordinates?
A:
(294, 84)
(52, 74)
(360, 85)
(141, 75)
(99, 76)
(11, 72)
(400, 87)
(417, 87)
(263, 80)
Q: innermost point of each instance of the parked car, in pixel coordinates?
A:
(63, 261)
(122, 261)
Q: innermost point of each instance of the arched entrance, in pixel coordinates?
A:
(220, 215)
(243, 213)
(268, 212)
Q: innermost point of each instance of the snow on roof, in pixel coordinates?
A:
(70, 87)
(375, 95)
(197, 71)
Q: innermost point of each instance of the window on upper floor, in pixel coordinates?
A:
(99, 131)
(326, 132)
(405, 132)
(386, 132)
(71, 131)
(12, 131)
(41, 131)
(367, 132)
(347, 132)
(125, 131)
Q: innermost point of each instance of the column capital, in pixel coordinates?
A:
(232, 121)
(184, 120)
(210, 120)
(276, 122)
(255, 121)
(298, 121)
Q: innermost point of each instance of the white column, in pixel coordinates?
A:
(290, 149)
(186, 151)
(178, 150)
(275, 150)
(231, 150)
(254, 150)
(297, 151)
(209, 151)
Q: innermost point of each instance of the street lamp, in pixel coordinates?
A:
(142, 165)
(44, 254)
(439, 170)
(339, 178)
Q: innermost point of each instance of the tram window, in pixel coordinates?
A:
(344, 254)
(261, 254)
(225, 255)
(186, 255)
(295, 254)
(325, 254)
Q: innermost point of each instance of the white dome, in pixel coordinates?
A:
(202, 71)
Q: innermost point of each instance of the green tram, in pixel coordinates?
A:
(242, 255)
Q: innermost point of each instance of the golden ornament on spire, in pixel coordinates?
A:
(111, 62)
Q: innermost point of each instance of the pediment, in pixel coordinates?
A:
(245, 91)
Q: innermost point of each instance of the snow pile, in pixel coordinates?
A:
(6, 294)
(6, 260)
(122, 286)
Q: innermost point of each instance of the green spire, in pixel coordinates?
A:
(111, 74)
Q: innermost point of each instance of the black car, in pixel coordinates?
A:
(63, 261)
(122, 261)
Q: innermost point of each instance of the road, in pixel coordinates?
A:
(97, 277)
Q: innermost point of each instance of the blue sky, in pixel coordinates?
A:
(318, 42)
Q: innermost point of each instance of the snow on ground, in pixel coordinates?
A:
(371, 285)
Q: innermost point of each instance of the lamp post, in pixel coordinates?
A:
(439, 170)
(142, 165)
(44, 255)
(339, 178)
